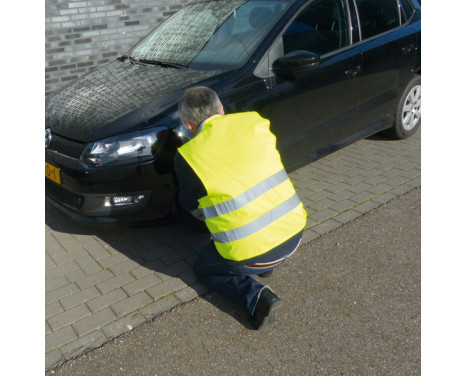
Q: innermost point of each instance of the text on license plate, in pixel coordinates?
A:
(53, 173)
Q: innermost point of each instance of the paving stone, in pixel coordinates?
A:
(396, 181)
(49, 264)
(60, 293)
(79, 298)
(380, 188)
(112, 283)
(341, 195)
(165, 288)
(375, 180)
(93, 322)
(76, 275)
(112, 260)
(160, 306)
(309, 235)
(52, 245)
(61, 270)
(402, 189)
(325, 227)
(123, 325)
(59, 338)
(323, 215)
(141, 284)
(321, 204)
(411, 173)
(355, 180)
(347, 216)
(53, 358)
(88, 264)
(188, 276)
(382, 199)
(143, 270)
(177, 255)
(68, 317)
(52, 309)
(335, 188)
(362, 197)
(106, 300)
(94, 279)
(366, 207)
(174, 270)
(62, 237)
(69, 254)
(417, 182)
(360, 187)
(131, 304)
(83, 344)
(56, 283)
(123, 266)
(343, 206)
(96, 250)
(186, 294)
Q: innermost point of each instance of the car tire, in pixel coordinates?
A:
(408, 112)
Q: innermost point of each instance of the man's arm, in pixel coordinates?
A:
(190, 186)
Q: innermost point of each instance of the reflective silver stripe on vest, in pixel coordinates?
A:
(246, 197)
(259, 223)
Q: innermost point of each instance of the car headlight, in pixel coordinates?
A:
(184, 133)
(129, 148)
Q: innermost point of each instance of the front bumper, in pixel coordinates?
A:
(88, 194)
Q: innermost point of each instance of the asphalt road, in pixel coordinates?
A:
(351, 307)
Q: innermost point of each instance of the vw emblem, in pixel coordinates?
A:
(48, 137)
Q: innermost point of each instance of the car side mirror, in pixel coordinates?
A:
(296, 62)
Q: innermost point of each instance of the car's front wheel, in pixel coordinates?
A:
(408, 112)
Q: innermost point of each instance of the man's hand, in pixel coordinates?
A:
(198, 214)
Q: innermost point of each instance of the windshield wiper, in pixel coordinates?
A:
(131, 59)
(163, 64)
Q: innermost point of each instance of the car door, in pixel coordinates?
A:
(388, 50)
(312, 109)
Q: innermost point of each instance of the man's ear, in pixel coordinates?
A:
(222, 112)
(191, 126)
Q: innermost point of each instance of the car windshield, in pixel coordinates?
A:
(211, 34)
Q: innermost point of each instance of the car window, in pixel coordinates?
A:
(321, 27)
(406, 9)
(211, 34)
(237, 38)
(377, 16)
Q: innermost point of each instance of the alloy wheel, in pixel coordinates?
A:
(411, 114)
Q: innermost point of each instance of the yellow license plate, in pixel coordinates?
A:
(53, 173)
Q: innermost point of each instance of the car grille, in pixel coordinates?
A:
(66, 146)
(63, 196)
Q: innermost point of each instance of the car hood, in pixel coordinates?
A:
(116, 97)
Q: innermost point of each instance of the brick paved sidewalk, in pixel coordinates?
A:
(102, 283)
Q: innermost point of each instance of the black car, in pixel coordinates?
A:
(325, 72)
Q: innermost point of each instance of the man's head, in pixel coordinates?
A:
(198, 104)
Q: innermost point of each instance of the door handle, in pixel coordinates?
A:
(351, 73)
(407, 49)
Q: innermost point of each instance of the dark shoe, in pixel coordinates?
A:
(268, 304)
(266, 274)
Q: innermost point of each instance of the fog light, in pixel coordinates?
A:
(126, 200)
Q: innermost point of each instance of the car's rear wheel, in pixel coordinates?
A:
(408, 112)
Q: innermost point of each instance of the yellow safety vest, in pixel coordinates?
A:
(251, 205)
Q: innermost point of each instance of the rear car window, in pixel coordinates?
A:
(406, 9)
(377, 16)
(321, 27)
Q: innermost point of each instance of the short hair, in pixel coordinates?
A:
(198, 104)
